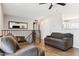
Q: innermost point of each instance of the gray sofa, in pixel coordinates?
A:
(63, 41)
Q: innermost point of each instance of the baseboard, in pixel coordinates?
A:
(76, 47)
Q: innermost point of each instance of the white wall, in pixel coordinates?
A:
(1, 18)
(51, 23)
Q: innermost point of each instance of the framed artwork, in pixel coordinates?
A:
(17, 25)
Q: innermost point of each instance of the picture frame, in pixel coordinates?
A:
(17, 25)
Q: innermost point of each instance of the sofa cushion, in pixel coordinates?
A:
(8, 44)
(57, 35)
(69, 35)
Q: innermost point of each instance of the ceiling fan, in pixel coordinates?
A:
(51, 5)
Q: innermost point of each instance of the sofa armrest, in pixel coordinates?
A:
(27, 51)
(49, 36)
(67, 39)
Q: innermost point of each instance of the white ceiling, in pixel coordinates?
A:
(71, 10)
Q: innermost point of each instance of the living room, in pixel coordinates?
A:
(57, 19)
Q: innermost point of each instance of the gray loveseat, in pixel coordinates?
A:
(63, 41)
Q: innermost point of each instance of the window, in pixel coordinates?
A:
(71, 24)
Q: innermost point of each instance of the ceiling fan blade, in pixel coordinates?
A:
(62, 4)
(50, 6)
(42, 3)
